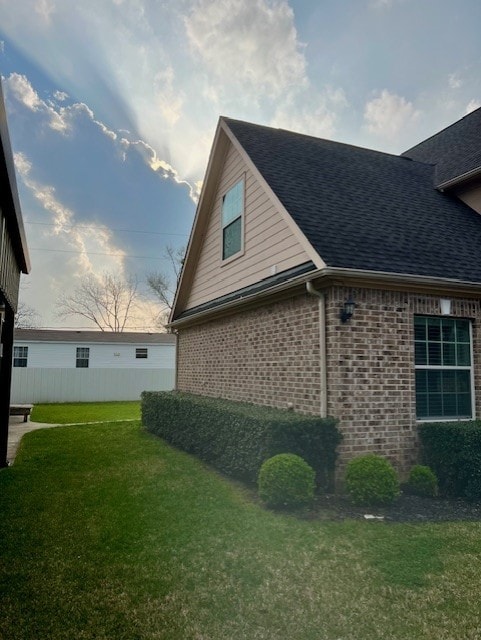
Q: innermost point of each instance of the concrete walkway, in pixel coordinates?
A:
(18, 428)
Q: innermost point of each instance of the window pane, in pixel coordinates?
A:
(233, 204)
(420, 328)
(420, 353)
(449, 354)
(449, 381)
(464, 405)
(435, 404)
(434, 329)
(463, 381)
(448, 330)
(450, 408)
(421, 381)
(462, 331)
(422, 406)
(434, 353)
(464, 355)
(232, 238)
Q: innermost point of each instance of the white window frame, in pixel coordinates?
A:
(16, 348)
(469, 368)
(82, 357)
(224, 226)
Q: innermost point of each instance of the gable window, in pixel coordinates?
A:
(141, 353)
(232, 220)
(82, 359)
(20, 356)
(443, 364)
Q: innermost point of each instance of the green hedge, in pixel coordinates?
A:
(237, 437)
(453, 451)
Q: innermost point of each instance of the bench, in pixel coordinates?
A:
(21, 410)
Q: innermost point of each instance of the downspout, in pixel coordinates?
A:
(322, 344)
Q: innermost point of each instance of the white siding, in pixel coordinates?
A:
(54, 355)
(268, 240)
(86, 385)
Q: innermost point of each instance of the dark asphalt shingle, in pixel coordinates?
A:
(363, 209)
(453, 151)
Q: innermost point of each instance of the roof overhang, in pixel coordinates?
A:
(460, 180)
(12, 210)
(332, 276)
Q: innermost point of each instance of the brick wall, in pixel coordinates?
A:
(271, 356)
(370, 369)
(266, 356)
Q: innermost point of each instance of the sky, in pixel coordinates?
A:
(112, 107)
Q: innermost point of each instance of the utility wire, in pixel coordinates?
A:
(97, 253)
(86, 226)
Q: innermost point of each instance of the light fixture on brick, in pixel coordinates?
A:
(347, 310)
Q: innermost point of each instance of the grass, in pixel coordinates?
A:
(85, 412)
(109, 533)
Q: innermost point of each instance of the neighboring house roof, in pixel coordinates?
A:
(9, 201)
(110, 337)
(455, 151)
(366, 210)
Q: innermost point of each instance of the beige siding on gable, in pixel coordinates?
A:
(268, 241)
(471, 196)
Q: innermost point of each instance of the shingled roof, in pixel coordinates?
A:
(455, 151)
(366, 210)
(100, 337)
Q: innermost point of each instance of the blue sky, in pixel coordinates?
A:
(113, 104)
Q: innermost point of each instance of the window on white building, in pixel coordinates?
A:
(20, 356)
(82, 358)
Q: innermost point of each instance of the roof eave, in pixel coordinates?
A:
(339, 276)
(464, 177)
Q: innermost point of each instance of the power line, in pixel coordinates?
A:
(86, 226)
(97, 253)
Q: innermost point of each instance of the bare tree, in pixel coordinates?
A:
(162, 284)
(27, 317)
(107, 301)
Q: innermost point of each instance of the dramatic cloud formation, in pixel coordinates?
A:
(249, 45)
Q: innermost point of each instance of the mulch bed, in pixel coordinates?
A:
(406, 508)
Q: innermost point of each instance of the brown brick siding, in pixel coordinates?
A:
(271, 356)
(266, 356)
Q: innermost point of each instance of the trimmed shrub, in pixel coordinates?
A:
(237, 437)
(453, 451)
(286, 480)
(422, 481)
(371, 480)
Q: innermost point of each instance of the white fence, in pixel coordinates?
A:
(31, 385)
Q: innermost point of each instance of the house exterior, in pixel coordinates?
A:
(82, 366)
(14, 260)
(291, 234)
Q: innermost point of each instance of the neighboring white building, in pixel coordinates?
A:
(89, 366)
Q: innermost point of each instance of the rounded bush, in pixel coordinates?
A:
(286, 480)
(371, 480)
(423, 481)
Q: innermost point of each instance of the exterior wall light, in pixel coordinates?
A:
(347, 311)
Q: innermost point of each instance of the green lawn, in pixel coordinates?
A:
(107, 533)
(86, 412)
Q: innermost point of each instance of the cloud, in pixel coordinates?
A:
(44, 10)
(251, 45)
(61, 96)
(454, 81)
(314, 113)
(93, 253)
(472, 106)
(63, 119)
(388, 114)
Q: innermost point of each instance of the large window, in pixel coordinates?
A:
(20, 356)
(232, 220)
(82, 359)
(443, 368)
